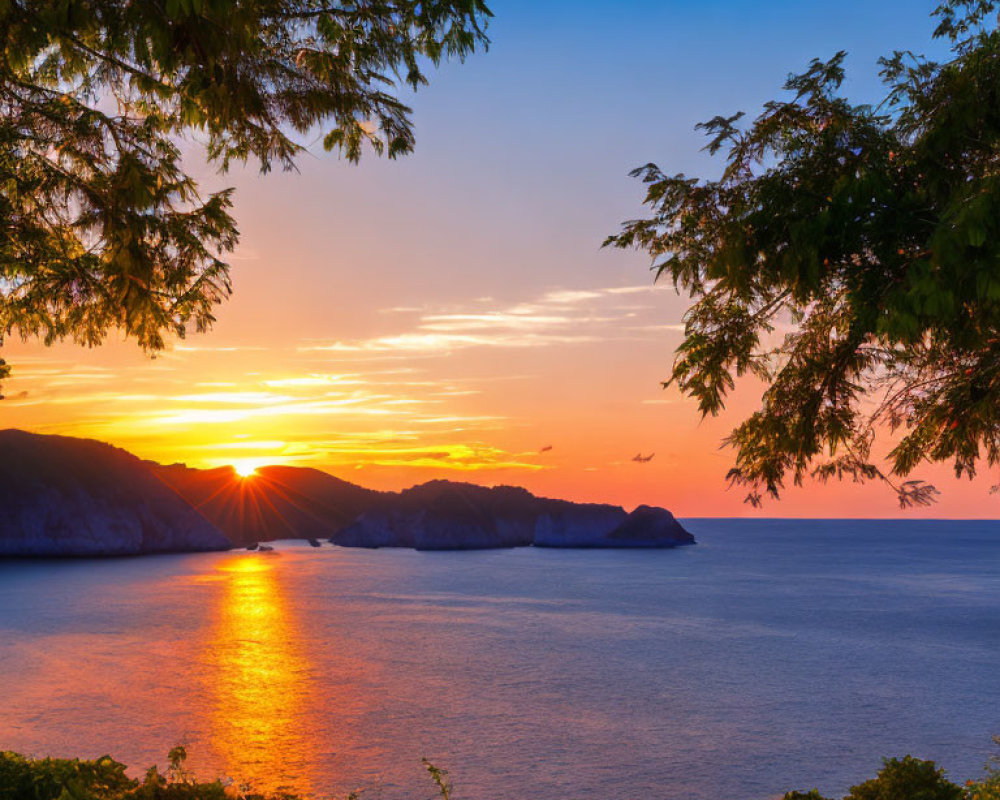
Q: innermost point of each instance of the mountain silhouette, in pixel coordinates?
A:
(65, 496)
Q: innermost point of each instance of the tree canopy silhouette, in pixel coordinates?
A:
(849, 257)
(102, 228)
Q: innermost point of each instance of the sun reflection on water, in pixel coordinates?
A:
(259, 678)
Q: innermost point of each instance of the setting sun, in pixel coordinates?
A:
(245, 469)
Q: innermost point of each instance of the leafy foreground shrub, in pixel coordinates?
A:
(989, 787)
(102, 779)
(105, 779)
(914, 779)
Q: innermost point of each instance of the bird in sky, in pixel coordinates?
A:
(641, 459)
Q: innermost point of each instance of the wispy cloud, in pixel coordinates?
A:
(440, 454)
(197, 348)
(392, 401)
(316, 381)
(557, 317)
(667, 328)
(444, 342)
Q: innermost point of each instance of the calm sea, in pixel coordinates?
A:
(773, 655)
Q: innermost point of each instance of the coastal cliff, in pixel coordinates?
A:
(443, 515)
(61, 496)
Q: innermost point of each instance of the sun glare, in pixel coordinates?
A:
(246, 469)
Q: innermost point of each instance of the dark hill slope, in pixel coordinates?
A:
(275, 503)
(445, 515)
(78, 497)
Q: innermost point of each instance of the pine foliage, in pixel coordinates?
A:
(102, 227)
(848, 257)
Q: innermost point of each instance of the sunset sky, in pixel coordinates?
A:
(451, 314)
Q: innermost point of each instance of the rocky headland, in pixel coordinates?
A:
(444, 515)
(61, 496)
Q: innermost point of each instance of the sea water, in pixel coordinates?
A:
(773, 655)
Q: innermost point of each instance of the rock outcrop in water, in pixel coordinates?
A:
(61, 496)
(64, 496)
(647, 526)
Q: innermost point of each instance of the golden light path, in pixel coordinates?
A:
(259, 680)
